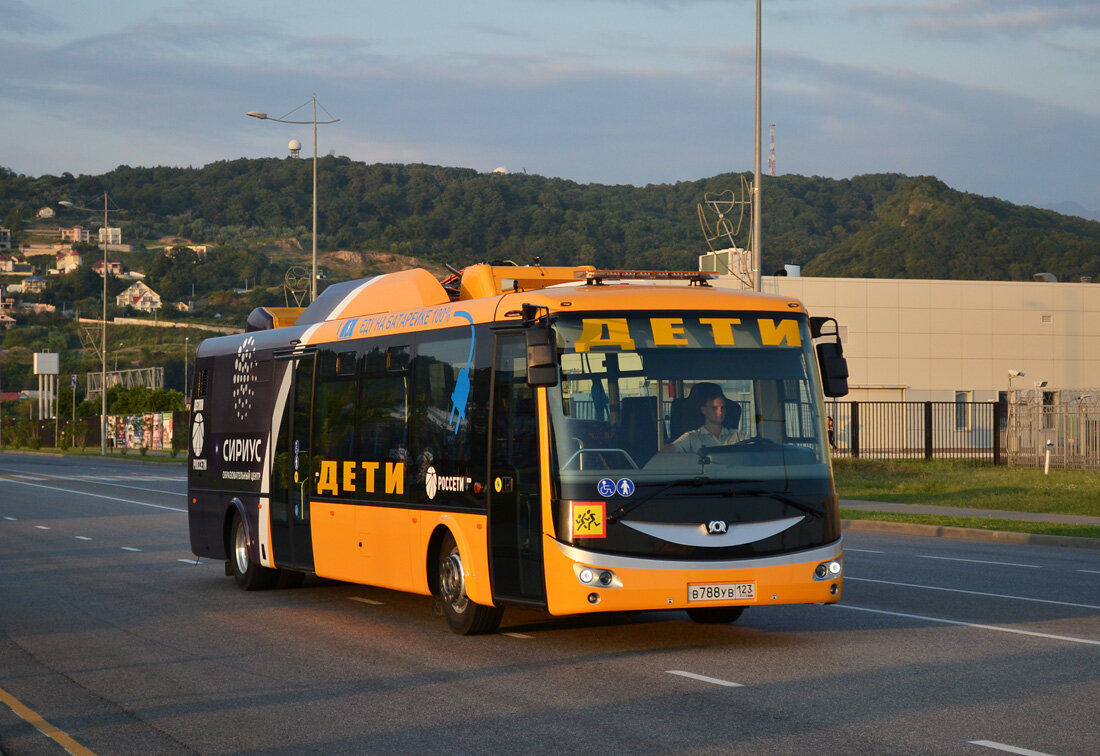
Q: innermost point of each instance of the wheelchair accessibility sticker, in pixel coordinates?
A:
(608, 488)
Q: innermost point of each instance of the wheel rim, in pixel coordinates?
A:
(451, 583)
(240, 548)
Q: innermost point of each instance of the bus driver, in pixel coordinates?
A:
(714, 407)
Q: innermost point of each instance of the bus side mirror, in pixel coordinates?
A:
(834, 369)
(542, 353)
(830, 358)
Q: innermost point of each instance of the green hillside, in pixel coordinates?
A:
(885, 225)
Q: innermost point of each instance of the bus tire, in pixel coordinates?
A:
(715, 615)
(249, 575)
(463, 615)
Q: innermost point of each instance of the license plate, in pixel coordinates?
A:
(722, 592)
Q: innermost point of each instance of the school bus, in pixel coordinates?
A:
(519, 436)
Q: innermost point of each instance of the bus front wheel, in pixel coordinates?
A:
(249, 575)
(715, 615)
(463, 615)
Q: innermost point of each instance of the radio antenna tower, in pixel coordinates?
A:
(771, 155)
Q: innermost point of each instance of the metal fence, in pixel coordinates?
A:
(1056, 428)
(918, 430)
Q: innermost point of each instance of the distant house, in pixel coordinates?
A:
(75, 234)
(114, 267)
(6, 321)
(6, 303)
(6, 261)
(45, 212)
(5, 238)
(34, 284)
(111, 236)
(69, 261)
(140, 297)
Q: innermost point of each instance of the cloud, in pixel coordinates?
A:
(976, 19)
(20, 18)
(174, 90)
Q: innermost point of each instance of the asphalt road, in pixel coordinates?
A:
(111, 633)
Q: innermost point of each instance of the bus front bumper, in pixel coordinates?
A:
(580, 581)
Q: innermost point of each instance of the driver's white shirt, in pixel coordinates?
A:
(694, 440)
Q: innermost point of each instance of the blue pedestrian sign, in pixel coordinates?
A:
(625, 487)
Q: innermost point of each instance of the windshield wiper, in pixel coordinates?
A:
(782, 498)
(700, 480)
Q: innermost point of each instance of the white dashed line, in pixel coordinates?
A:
(1006, 748)
(942, 621)
(704, 678)
(361, 600)
(973, 593)
(129, 548)
(864, 551)
(41, 527)
(10, 519)
(518, 635)
(979, 561)
(83, 538)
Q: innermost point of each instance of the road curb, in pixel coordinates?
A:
(969, 534)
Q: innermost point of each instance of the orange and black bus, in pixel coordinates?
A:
(522, 435)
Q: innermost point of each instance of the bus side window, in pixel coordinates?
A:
(383, 411)
(442, 438)
(334, 406)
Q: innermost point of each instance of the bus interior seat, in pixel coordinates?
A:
(638, 429)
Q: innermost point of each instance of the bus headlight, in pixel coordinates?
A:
(828, 570)
(597, 577)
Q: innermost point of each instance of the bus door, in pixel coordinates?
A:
(291, 477)
(515, 511)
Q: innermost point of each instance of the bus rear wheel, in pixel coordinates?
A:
(249, 575)
(463, 615)
(715, 615)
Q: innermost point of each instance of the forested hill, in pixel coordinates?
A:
(883, 225)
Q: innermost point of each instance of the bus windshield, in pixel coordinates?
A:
(729, 396)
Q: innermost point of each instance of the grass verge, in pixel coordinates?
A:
(957, 483)
(978, 523)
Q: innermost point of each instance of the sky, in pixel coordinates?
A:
(995, 97)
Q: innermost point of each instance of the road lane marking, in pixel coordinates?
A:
(979, 561)
(974, 593)
(10, 519)
(1007, 748)
(29, 716)
(101, 496)
(42, 527)
(370, 602)
(128, 548)
(998, 628)
(1090, 572)
(704, 678)
(82, 538)
(863, 551)
(189, 561)
(522, 636)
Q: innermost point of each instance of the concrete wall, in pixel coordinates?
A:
(920, 340)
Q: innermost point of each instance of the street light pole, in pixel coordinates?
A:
(103, 348)
(315, 122)
(757, 260)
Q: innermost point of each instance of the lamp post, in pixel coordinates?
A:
(315, 122)
(186, 386)
(757, 261)
(103, 352)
